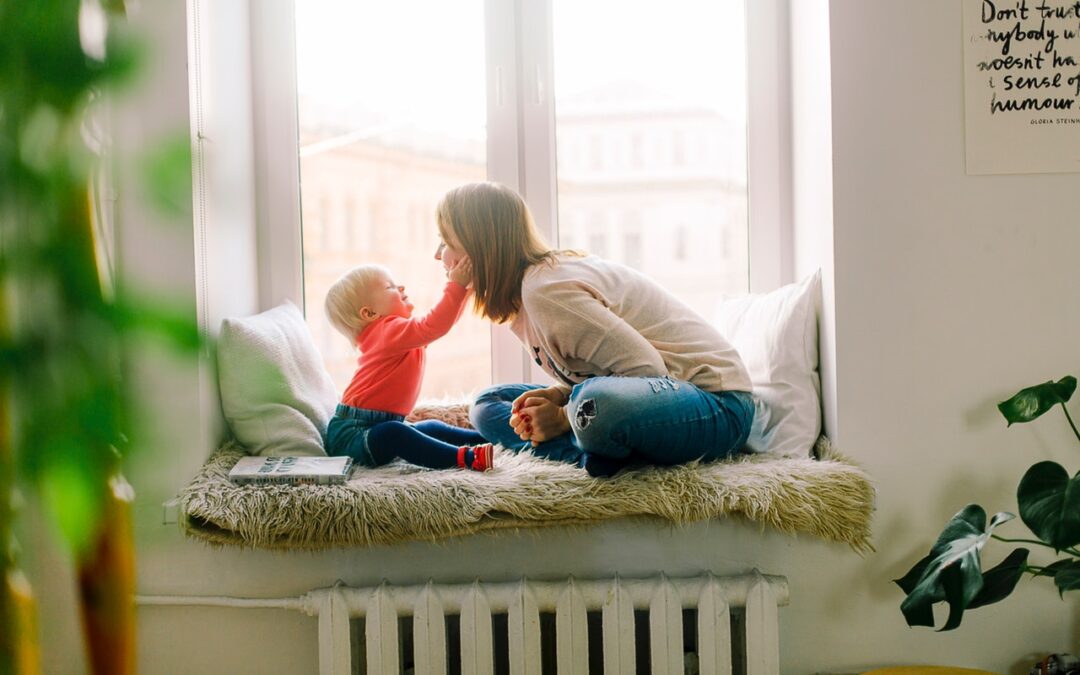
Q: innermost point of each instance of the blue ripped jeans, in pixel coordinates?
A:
(618, 422)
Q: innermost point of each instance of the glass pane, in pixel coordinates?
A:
(651, 140)
(392, 115)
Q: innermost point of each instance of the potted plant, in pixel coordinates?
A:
(1049, 504)
(66, 414)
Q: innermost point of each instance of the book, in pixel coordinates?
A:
(291, 470)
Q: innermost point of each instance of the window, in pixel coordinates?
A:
(679, 244)
(636, 151)
(632, 252)
(390, 115)
(598, 244)
(351, 225)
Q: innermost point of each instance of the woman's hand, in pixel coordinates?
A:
(539, 415)
(461, 272)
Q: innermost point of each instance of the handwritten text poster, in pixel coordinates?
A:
(1022, 85)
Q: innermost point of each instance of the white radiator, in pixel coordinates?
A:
(735, 617)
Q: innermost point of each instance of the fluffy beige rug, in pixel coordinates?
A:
(828, 497)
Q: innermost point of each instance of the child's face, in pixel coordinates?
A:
(387, 298)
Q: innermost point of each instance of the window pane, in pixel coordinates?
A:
(651, 140)
(392, 114)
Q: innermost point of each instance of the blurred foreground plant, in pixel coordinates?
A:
(1049, 504)
(66, 417)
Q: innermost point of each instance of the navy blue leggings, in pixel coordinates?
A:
(429, 443)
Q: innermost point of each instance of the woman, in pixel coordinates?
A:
(642, 378)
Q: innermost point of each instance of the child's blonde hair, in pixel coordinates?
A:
(347, 296)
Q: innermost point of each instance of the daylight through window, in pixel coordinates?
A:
(650, 156)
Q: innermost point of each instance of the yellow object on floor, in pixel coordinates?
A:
(927, 670)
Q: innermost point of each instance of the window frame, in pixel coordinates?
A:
(521, 124)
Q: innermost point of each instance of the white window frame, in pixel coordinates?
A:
(521, 123)
(280, 249)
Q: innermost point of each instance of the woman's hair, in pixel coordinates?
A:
(347, 296)
(495, 229)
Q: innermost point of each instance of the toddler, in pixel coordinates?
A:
(375, 314)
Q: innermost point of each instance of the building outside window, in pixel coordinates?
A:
(648, 150)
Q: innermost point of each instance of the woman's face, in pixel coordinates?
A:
(449, 251)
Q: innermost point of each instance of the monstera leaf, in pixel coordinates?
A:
(952, 571)
(1067, 576)
(1000, 581)
(1050, 504)
(1032, 402)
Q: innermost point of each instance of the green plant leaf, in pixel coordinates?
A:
(172, 321)
(919, 615)
(1050, 504)
(1067, 577)
(1051, 569)
(1000, 581)
(958, 593)
(72, 493)
(166, 175)
(909, 581)
(1032, 402)
(952, 570)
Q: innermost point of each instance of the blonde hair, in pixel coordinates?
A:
(495, 229)
(347, 296)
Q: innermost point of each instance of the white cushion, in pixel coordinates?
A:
(776, 335)
(275, 392)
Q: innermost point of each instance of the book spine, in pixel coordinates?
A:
(287, 480)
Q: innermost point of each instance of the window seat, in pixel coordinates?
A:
(278, 399)
(829, 497)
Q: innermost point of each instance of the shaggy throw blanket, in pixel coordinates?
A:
(827, 497)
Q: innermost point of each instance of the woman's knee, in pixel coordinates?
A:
(490, 405)
(493, 404)
(597, 403)
(480, 411)
(594, 413)
(490, 395)
(606, 414)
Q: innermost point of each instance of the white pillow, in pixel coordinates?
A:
(776, 335)
(275, 391)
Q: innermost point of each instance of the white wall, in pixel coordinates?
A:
(949, 292)
(952, 292)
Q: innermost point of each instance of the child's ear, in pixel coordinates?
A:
(367, 314)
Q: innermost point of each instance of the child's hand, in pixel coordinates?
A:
(461, 272)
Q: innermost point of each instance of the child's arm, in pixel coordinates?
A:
(420, 331)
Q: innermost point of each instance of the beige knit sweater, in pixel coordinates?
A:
(586, 316)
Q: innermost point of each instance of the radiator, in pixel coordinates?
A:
(567, 627)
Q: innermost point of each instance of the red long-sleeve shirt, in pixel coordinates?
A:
(392, 355)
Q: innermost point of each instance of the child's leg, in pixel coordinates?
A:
(389, 440)
(448, 433)
(345, 436)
